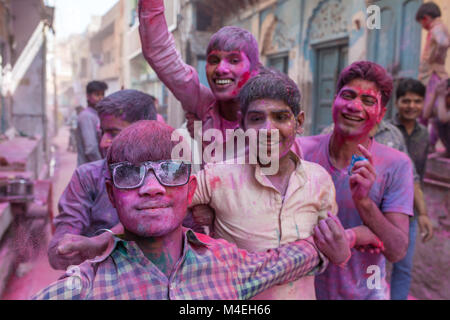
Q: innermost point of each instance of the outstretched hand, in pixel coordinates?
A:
(329, 236)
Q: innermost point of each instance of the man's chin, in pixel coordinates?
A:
(225, 95)
(353, 131)
(152, 231)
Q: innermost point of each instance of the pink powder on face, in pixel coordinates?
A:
(372, 114)
(244, 79)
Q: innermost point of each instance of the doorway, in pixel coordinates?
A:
(330, 61)
(396, 46)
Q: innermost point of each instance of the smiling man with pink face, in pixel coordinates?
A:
(227, 72)
(232, 59)
(357, 108)
(377, 192)
(260, 212)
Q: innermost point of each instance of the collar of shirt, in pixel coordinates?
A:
(132, 249)
(297, 180)
(220, 122)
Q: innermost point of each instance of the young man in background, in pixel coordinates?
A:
(88, 125)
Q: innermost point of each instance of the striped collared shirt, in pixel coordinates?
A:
(208, 269)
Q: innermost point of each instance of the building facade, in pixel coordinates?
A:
(25, 28)
(310, 40)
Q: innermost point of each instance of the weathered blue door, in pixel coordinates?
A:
(330, 62)
(396, 46)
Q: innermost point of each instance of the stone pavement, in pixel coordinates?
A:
(33, 276)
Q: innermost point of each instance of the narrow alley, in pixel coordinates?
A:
(32, 276)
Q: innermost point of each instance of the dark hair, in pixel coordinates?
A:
(145, 140)
(129, 105)
(369, 71)
(95, 86)
(430, 9)
(270, 84)
(410, 85)
(236, 39)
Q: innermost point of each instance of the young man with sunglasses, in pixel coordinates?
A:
(156, 258)
(84, 207)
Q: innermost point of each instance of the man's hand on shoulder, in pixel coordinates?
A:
(75, 249)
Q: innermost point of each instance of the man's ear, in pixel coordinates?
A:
(109, 190)
(192, 185)
(300, 121)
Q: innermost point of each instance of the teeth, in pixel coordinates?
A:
(223, 81)
(352, 118)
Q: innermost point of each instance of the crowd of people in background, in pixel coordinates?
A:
(340, 205)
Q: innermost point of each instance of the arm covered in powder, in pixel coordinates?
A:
(390, 222)
(256, 272)
(75, 284)
(158, 47)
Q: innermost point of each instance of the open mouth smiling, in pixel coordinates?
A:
(352, 118)
(223, 82)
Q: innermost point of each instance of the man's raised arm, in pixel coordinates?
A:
(158, 47)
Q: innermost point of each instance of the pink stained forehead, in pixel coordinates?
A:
(366, 90)
(226, 53)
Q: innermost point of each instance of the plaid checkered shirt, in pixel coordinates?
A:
(208, 269)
